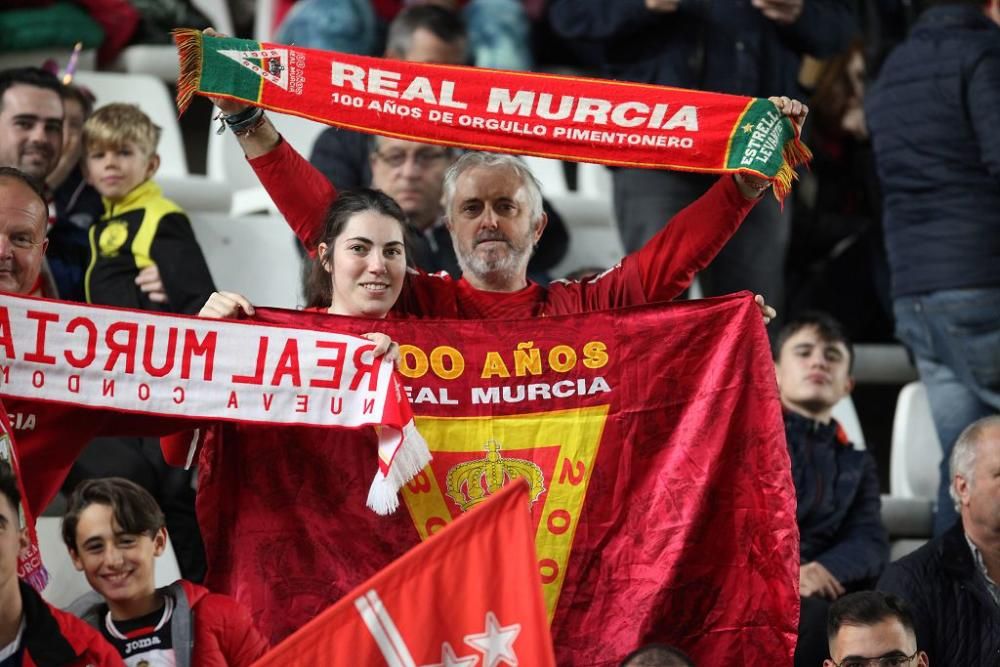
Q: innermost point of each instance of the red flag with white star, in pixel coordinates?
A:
(470, 596)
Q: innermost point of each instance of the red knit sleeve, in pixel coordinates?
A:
(690, 240)
(299, 190)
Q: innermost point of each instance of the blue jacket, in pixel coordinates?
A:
(725, 46)
(839, 506)
(957, 622)
(933, 117)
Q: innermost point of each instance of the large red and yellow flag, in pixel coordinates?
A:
(470, 596)
(652, 444)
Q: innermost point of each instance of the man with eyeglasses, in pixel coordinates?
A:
(872, 629)
(413, 175)
(349, 159)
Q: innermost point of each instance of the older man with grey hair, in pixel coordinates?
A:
(951, 582)
(493, 225)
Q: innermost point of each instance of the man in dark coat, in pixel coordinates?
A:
(843, 545)
(951, 582)
(933, 116)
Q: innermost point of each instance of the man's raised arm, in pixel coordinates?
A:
(692, 238)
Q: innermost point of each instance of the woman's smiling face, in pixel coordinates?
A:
(367, 265)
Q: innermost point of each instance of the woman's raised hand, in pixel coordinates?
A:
(384, 346)
(223, 305)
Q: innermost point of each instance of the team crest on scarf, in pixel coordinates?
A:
(273, 64)
(474, 458)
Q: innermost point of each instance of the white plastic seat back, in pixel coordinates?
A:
(66, 584)
(916, 450)
(594, 181)
(228, 165)
(263, 20)
(255, 256)
(152, 96)
(593, 236)
(550, 174)
(847, 417)
(160, 60)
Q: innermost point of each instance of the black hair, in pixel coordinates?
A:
(84, 97)
(8, 487)
(29, 181)
(133, 508)
(445, 24)
(318, 289)
(29, 76)
(829, 329)
(867, 608)
(657, 655)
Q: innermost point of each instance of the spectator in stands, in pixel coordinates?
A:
(49, 439)
(23, 217)
(494, 214)
(77, 204)
(657, 655)
(750, 48)
(349, 159)
(114, 531)
(836, 255)
(32, 632)
(842, 542)
(932, 116)
(139, 226)
(869, 627)
(359, 271)
(31, 121)
(499, 29)
(31, 138)
(422, 33)
(951, 582)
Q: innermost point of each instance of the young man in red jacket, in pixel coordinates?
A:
(114, 531)
(31, 632)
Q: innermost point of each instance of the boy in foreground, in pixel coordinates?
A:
(114, 531)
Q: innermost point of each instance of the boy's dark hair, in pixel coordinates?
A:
(29, 76)
(657, 655)
(133, 508)
(829, 329)
(18, 175)
(445, 24)
(8, 488)
(867, 608)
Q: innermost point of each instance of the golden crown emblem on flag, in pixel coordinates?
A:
(472, 482)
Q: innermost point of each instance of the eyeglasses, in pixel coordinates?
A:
(884, 661)
(422, 158)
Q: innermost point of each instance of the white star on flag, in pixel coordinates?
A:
(449, 659)
(497, 643)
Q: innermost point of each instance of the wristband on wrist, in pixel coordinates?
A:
(242, 122)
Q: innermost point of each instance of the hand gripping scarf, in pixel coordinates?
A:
(187, 368)
(563, 117)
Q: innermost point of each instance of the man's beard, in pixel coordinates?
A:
(38, 170)
(496, 266)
